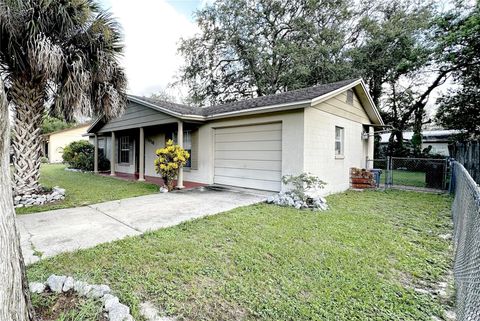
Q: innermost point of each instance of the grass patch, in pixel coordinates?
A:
(357, 261)
(85, 188)
(408, 178)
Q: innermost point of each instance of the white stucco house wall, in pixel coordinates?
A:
(324, 130)
(54, 143)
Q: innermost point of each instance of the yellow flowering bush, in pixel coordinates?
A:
(169, 160)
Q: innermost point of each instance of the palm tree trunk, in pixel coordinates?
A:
(15, 302)
(28, 99)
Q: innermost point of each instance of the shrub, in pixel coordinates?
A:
(303, 183)
(80, 155)
(43, 160)
(168, 162)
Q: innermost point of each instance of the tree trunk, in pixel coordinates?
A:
(15, 302)
(28, 101)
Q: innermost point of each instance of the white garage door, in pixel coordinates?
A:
(249, 156)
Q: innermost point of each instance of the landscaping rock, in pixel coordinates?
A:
(422, 291)
(82, 287)
(37, 287)
(55, 282)
(98, 291)
(109, 301)
(151, 313)
(290, 199)
(68, 284)
(450, 315)
(41, 198)
(119, 312)
(58, 190)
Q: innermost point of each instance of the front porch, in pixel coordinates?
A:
(131, 151)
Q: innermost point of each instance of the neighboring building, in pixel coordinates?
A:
(438, 139)
(54, 143)
(250, 143)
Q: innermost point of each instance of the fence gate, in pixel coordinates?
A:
(412, 173)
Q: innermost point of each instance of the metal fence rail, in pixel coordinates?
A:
(466, 220)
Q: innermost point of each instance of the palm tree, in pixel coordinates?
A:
(62, 52)
(59, 53)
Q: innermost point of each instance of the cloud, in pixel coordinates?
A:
(152, 30)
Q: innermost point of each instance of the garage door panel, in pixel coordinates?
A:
(248, 155)
(249, 164)
(249, 146)
(249, 136)
(249, 183)
(248, 173)
(249, 128)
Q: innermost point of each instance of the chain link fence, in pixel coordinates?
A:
(466, 221)
(412, 173)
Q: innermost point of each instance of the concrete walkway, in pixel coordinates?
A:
(49, 233)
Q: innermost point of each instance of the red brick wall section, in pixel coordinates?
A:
(360, 178)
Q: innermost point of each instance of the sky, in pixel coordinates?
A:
(152, 30)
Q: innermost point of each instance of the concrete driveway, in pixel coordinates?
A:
(49, 233)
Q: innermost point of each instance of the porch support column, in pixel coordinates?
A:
(112, 155)
(95, 155)
(180, 143)
(141, 164)
(370, 145)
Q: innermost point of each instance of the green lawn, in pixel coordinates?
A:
(358, 261)
(85, 188)
(408, 178)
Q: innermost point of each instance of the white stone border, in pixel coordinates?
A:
(27, 200)
(61, 283)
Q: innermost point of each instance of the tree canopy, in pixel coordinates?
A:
(251, 48)
(459, 108)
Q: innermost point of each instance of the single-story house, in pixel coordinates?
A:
(439, 140)
(324, 130)
(55, 142)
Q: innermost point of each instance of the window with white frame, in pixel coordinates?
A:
(339, 141)
(124, 149)
(187, 144)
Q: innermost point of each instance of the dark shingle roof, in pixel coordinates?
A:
(176, 108)
(264, 101)
(276, 99)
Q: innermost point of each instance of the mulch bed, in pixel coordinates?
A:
(51, 306)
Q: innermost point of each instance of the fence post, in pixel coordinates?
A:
(388, 174)
(451, 187)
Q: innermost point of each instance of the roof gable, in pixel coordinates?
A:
(136, 115)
